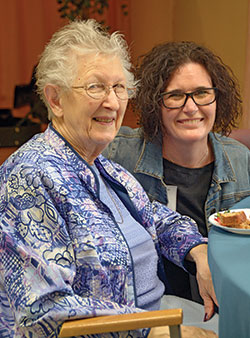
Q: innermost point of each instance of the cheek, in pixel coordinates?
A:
(211, 113)
(122, 109)
(87, 110)
(91, 106)
(168, 117)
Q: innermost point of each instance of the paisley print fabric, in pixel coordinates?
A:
(62, 255)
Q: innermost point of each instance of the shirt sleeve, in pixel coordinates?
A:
(37, 262)
(177, 234)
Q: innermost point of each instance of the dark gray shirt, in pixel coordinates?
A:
(192, 188)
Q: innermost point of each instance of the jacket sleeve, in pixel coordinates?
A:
(37, 262)
(177, 234)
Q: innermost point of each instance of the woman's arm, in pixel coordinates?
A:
(181, 242)
(198, 255)
(177, 234)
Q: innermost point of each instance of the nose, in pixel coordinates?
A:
(111, 101)
(190, 106)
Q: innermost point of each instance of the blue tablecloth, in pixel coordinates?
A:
(229, 261)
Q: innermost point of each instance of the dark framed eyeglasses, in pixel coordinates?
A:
(99, 91)
(201, 97)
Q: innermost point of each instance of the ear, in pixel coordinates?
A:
(51, 93)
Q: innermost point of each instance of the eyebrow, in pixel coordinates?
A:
(102, 78)
(178, 91)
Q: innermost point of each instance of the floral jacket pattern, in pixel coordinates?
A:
(62, 255)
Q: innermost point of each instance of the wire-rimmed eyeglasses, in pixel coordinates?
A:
(99, 91)
(201, 97)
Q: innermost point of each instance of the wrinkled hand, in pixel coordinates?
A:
(199, 255)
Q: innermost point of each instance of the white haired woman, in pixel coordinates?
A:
(78, 233)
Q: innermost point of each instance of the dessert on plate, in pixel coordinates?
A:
(233, 219)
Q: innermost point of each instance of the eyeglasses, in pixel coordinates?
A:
(201, 97)
(99, 91)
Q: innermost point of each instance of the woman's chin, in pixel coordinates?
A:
(104, 142)
(193, 135)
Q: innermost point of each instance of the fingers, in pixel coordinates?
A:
(206, 289)
(208, 295)
(207, 292)
(214, 297)
(208, 308)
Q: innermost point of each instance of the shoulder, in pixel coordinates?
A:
(129, 132)
(34, 152)
(227, 143)
(128, 135)
(128, 142)
(40, 158)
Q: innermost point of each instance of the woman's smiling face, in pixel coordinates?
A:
(89, 124)
(191, 122)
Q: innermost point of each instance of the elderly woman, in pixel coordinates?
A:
(79, 236)
(186, 95)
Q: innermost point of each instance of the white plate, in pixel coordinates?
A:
(212, 220)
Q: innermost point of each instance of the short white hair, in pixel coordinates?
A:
(58, 63)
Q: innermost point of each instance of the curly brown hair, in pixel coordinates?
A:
(154, 72)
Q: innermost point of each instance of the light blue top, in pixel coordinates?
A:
(149, 288)
(230, 180)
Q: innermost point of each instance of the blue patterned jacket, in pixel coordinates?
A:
(62, 255)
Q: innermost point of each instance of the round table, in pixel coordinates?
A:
(229, 261)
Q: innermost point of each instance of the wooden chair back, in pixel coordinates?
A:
(124, 322)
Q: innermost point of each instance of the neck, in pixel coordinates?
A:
(189, 155)
(88, 152)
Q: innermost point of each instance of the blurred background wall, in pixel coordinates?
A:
(221, 25)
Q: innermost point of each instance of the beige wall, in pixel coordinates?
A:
(220, 25)
(151, 23)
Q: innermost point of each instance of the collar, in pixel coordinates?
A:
(223, 169)
(150, 160)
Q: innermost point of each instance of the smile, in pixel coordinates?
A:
(192, 122)
(105, 120)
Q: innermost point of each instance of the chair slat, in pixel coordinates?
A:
(124, 322)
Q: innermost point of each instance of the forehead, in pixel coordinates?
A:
(190, 74)
(100, 67)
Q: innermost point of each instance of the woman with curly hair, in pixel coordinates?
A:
(188, 102)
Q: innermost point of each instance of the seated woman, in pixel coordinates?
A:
(79, 236)
(187, 100)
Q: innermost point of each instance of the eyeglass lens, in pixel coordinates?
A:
(99, 91)
(201, 97)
